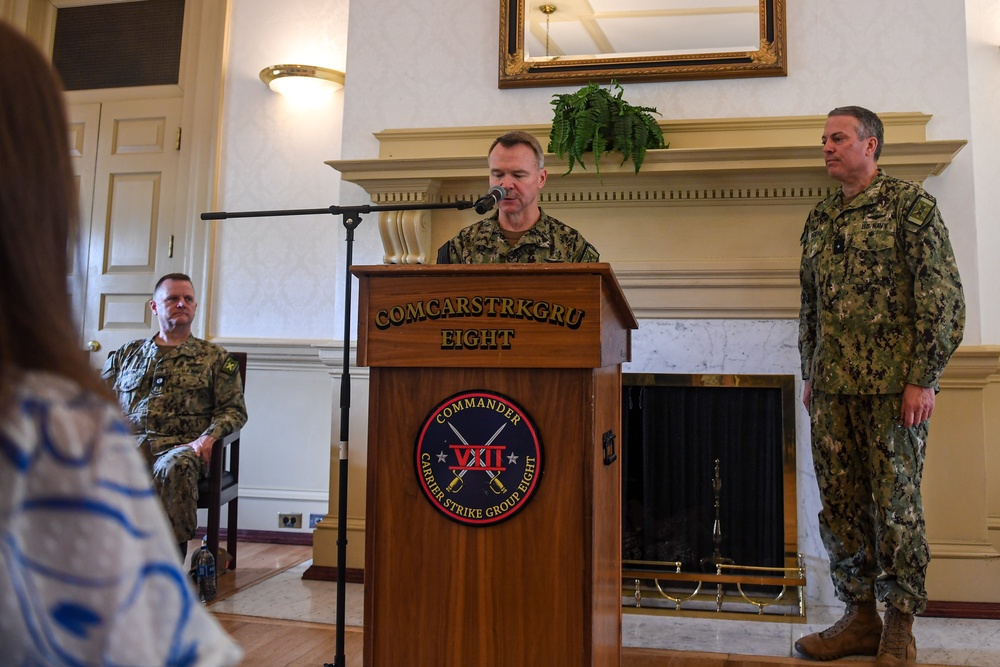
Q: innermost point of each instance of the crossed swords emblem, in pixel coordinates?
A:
(495, 484)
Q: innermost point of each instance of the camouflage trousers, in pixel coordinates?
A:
(869, 468)
(176, 472)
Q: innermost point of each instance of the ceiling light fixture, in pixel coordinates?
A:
(548, 11)
(305, 83)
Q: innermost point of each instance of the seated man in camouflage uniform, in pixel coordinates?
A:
(180, 394)
(519, 231)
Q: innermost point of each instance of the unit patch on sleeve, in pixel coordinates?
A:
(478, 458)
(920, 212)
(230, 365)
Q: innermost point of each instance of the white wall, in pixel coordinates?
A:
(405, 70)
(274, 276)
(849, 52)
(984, 74)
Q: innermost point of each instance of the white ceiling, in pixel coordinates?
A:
(580, 28)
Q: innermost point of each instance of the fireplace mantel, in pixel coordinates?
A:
(708, 228)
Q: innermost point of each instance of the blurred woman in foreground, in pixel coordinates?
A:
(88, 567)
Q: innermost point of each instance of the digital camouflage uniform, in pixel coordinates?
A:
(191, 390)
(882, 306)
(547, 241)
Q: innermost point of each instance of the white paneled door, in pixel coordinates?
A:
(126, 157)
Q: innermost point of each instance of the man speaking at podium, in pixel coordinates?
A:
(519, 231)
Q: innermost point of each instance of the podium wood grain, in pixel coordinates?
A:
(542, 587)
(601, 339)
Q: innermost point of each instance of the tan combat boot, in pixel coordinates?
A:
(898, 647)
(857, 633)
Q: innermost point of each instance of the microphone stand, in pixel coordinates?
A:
(352, 219)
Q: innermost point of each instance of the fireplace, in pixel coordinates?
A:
(708, 490)
(704, 242)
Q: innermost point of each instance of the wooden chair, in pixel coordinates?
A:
(222, 486)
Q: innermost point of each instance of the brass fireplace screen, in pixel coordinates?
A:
(709, 499)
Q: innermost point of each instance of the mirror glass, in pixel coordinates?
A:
(583, 41)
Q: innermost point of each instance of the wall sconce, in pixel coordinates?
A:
(303, 83)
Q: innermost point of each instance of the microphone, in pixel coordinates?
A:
(490, 199)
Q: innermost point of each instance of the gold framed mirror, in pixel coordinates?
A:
(561, 42)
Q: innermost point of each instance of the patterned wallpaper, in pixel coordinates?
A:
(433, 63)
(274, 276)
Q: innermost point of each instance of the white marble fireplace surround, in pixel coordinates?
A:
(745, 347)
(704, 241)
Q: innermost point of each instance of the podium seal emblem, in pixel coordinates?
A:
(478, 458)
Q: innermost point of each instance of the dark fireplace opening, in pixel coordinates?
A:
(691, 442)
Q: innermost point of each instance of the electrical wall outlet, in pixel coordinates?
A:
(289, 520)
(314, 519)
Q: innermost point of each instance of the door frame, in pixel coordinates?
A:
(205, 41)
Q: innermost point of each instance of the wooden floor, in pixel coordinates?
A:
(270, 642)
(278, 643)
(257, 562)
(273, 642)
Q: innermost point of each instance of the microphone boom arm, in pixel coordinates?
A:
(333, 210)
(352, 219)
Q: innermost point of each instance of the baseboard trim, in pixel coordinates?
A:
(326, 573)
(984, 610)
(265, 536)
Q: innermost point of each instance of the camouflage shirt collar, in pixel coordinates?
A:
(542, 232)
(539, 234)
(870, 195)
(187, 348)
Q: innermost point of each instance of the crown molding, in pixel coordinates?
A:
(708, 228)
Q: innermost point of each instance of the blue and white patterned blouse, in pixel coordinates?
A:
(89, 573)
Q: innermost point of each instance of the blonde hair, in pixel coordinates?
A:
(38, 217)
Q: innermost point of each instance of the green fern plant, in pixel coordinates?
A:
(597, 120)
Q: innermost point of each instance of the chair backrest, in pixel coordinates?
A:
(222, 486)
(241, 359)
(230, 473)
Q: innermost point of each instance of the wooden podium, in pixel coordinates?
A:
(479, 549)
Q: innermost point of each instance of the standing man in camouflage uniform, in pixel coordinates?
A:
(882, 312)
(519, 231)
(180, 394)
